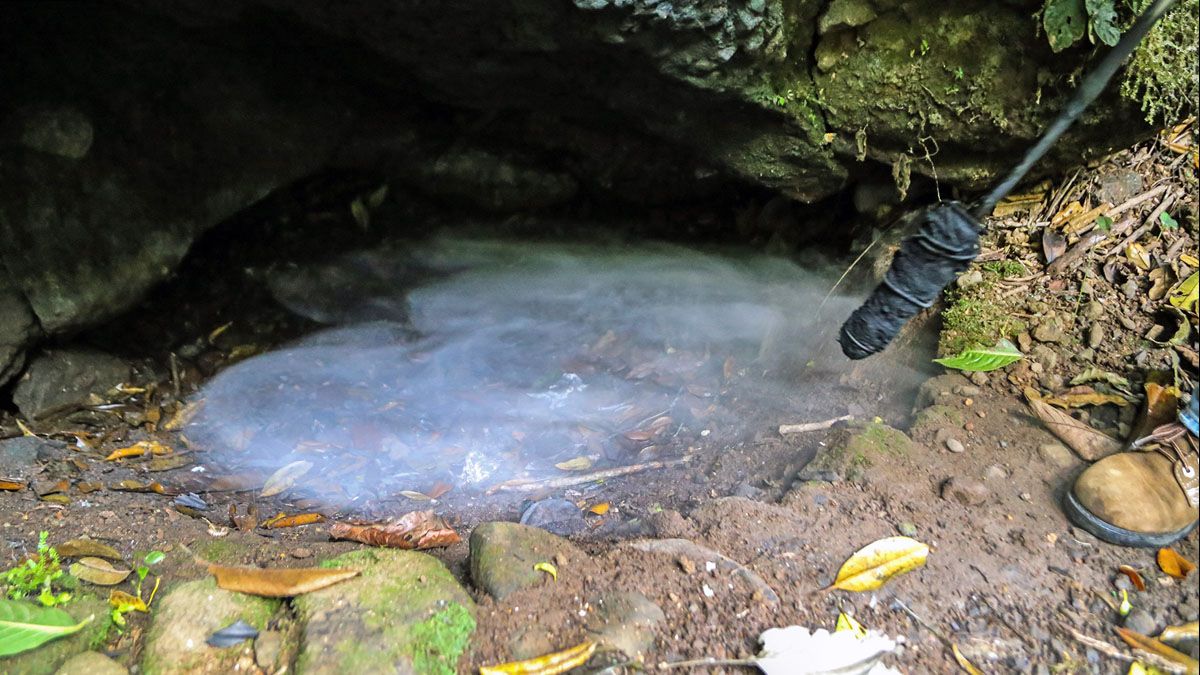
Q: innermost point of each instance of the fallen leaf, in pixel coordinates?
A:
(1158, 284)
(135, 486)
(548, 568)
(1179, 636)
(293, 521)
(98, 571)
(879, 561)
(1088, 442)
(1134, 577)
(184, 415)
(1137, 255)
(550, 664)
(578, 463)
(278, 582)
(56, 498)
(439, 489)
(1072, 209)
(983, 360)
(1187, 294)
(794, 650)
(845, 622)
(124, 602)
(415, 496)
(139, 449)
(963, 663)
(1081, 400)
(1094, 374)
(167, 463)
(1158, 648)
(78, 548)
(24, 625)
(11, 484)
(1173, 564)
(285, 477)
(235, 633)
(415, 530)
(599, 509)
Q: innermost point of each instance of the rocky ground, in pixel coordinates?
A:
(690, 561)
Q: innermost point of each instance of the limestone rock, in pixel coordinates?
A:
(626, 622)
(65, 377)
(503, 556)
(91, 663)
(187, 615)
(405, 613)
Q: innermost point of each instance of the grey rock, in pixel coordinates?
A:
(557, 516)
(19, 456)
(91, 663)
(1095, 335)
(1093, 310)
(372, 623)
(503, 555)
(1122, 583)
(57, 130)
(18, 329)
(907, 529)
(268, 648)
(61, 378)
(965, 491)
(979, 379)
(1044, 355)
(626, 622)
(1119, 186)
(1049, 329)
(954, 445)
(995, 472)
(1057, 455)
(492, 183)
(187, 615)
(746, 490)
(846, 14)
(969, 279)
(967, 390)
(1140, 621)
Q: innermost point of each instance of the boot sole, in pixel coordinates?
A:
(1112, 534)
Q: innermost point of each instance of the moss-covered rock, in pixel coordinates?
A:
(404, 613)
(47, 658)
(852, 452)
(929, 420)
(503, 556)
(187, 615)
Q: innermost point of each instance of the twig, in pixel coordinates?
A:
(812, 426)
(1076, 253)
(532, 484)
(711, 662)
(1059, 196)
(1140, 654)
(1149, 223)
(1134, 201)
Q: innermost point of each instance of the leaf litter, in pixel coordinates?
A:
(415, 530)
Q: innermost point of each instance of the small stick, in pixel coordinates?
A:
(1146, 226)
(711, 662)
(533, 484)
(785, 429)
(1141, 654)
(1134, 201)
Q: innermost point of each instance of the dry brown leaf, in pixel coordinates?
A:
(285, 477)
(582, 463)
(11, 484)
(184, 415)
(1134, 577)
(135, 486)
(1174, 564)
(78, 548)
(167, 463)
(415, 530)
(98, 571)
(1081, 400)
(599, 509)
(1088, 442)
(440, 488)
(277, 583)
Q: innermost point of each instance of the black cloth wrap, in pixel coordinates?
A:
(927, 261)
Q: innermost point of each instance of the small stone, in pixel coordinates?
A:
(1122, 583)
(626, 622)
(61, 378)
(747, 491)
(1140, 621)
(1095, 335)
(967, 390)
(267, 648)
(686, 564)
(1086, 355)
(995, 472)
(1119, 186)
(1026, 497)
(1052, 381)
(969, 279)
(965, 491)
(1024, 341)
(1045, 356)
(1049, 329)
(1056, 455)
(91, 663)
(1093, 310)
(979, 379)
(907, 529)
(301, 553)
(954, 445)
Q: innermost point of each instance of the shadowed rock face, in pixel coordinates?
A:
(130, 129)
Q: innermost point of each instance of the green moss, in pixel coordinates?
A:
(1162, 74)
(439, 641)
(219, 551)
(973, 318)
(936, 417)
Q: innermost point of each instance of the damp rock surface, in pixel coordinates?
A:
(503, 556)
(62, 378)
(91, 663)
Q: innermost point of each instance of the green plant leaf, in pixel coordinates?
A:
(1065, 22)
(1102, 21)
(155, 557)
(984, 360)
(24, 626)
(1167, 222)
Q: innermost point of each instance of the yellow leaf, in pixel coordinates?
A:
(285, 477)
(1081, 400)
(1137, 255)
(1189, 259)
(963, 663)
(1174, 635)
(846, 622)
(1158, 648)
(600, 509)
(548, 568)
(1187, 295)
(550, 664)
(1069, 210)
(98, 571)
(139, 449)
(1174, 564)
(879, 561)
(577, 464)
(124, 602)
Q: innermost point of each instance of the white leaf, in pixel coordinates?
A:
(796, 651)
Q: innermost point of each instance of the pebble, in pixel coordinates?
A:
(557, 516)
(1026, 497)
(907, 529)
(995, 472)
(301, 553)
(1093, 310)
(979, 379)
(965, 491)
(1140, 621)
(967, 390)
(1095, 335)
(954, 445)
(1050, 329)
(1056, 454)
(1122, 583)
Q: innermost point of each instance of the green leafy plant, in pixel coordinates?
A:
(983, 360)
(1167, 222)
(24, 626)
(37, 576)
(1104, 224)
(124, 603)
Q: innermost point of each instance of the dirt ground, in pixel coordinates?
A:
(1008, 579)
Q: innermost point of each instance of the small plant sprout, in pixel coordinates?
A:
(37, 576)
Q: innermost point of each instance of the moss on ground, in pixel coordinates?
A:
(1163, 72)
(440, 640)
(974, 317)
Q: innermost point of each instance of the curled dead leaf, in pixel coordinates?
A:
(1088, 442)
(11, 484)
(1087, 399)
(139, 449)
(78, 548)
(415, 531)
(550, 664)
(1135, 577)
(277, 583)
(1173, 564)
(297, 520)
(878, 562)
(599, 509)
(1159, 648)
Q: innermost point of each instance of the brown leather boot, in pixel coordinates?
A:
(1147, 497)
